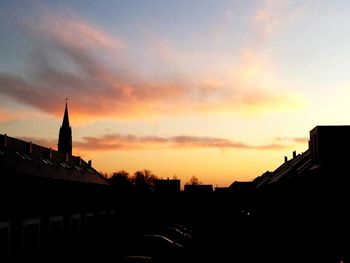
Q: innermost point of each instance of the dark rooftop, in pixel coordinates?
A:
(28, 159)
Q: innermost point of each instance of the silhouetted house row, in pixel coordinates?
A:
(321, 168)
(43, 192)
(23, 239)
(307, 199)
(328, 152)
(167, 186)
(288, 170)
(25, 158)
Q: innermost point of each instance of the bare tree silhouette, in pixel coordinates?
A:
(194, 181)
(121, 181)
(143, 181)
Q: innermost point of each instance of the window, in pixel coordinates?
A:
(74, 226)
(89, 220)
(4, 240)
(64, 165)
(55, 231)
(112, 212)
(102, 213)
(19, 155)
(46, 161)
(78, 168)
(31, 237)
(27, 157)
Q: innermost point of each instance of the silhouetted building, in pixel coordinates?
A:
(289, 170)
(65, 135)
(304, 194)
(167, 186)
(222, 189)
(241, 187)
(50, 198)
(47, 193)
(328, 148)
(329, 144)
(198, 188)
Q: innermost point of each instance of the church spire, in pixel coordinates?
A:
(65, 122)
(65, 135)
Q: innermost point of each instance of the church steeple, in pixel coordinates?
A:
(65, 135)
(65, 122)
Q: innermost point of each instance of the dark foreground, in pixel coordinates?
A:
(218, 234)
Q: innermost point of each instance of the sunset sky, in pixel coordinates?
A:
(221, 90)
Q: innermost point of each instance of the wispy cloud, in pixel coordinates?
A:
(302, 140)
(129, 141)
(75, 59)
(111, 142)
(117, 141)
(6, 116)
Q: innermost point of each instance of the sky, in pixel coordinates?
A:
(221, 90)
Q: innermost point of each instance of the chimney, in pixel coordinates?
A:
(79, 160)
(285, 159)
(5, 140)
(50, 153)
(89, 163)
(67, 157)
(29, 147)
(294, 154)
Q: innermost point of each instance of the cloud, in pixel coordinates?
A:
(6, 116)
(302, 140)
(73, 58)
(10, 115)
(73, 31)
(129, 141)
(117, 141)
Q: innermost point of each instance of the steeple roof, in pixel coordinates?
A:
(65, 122)
(65, 135)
